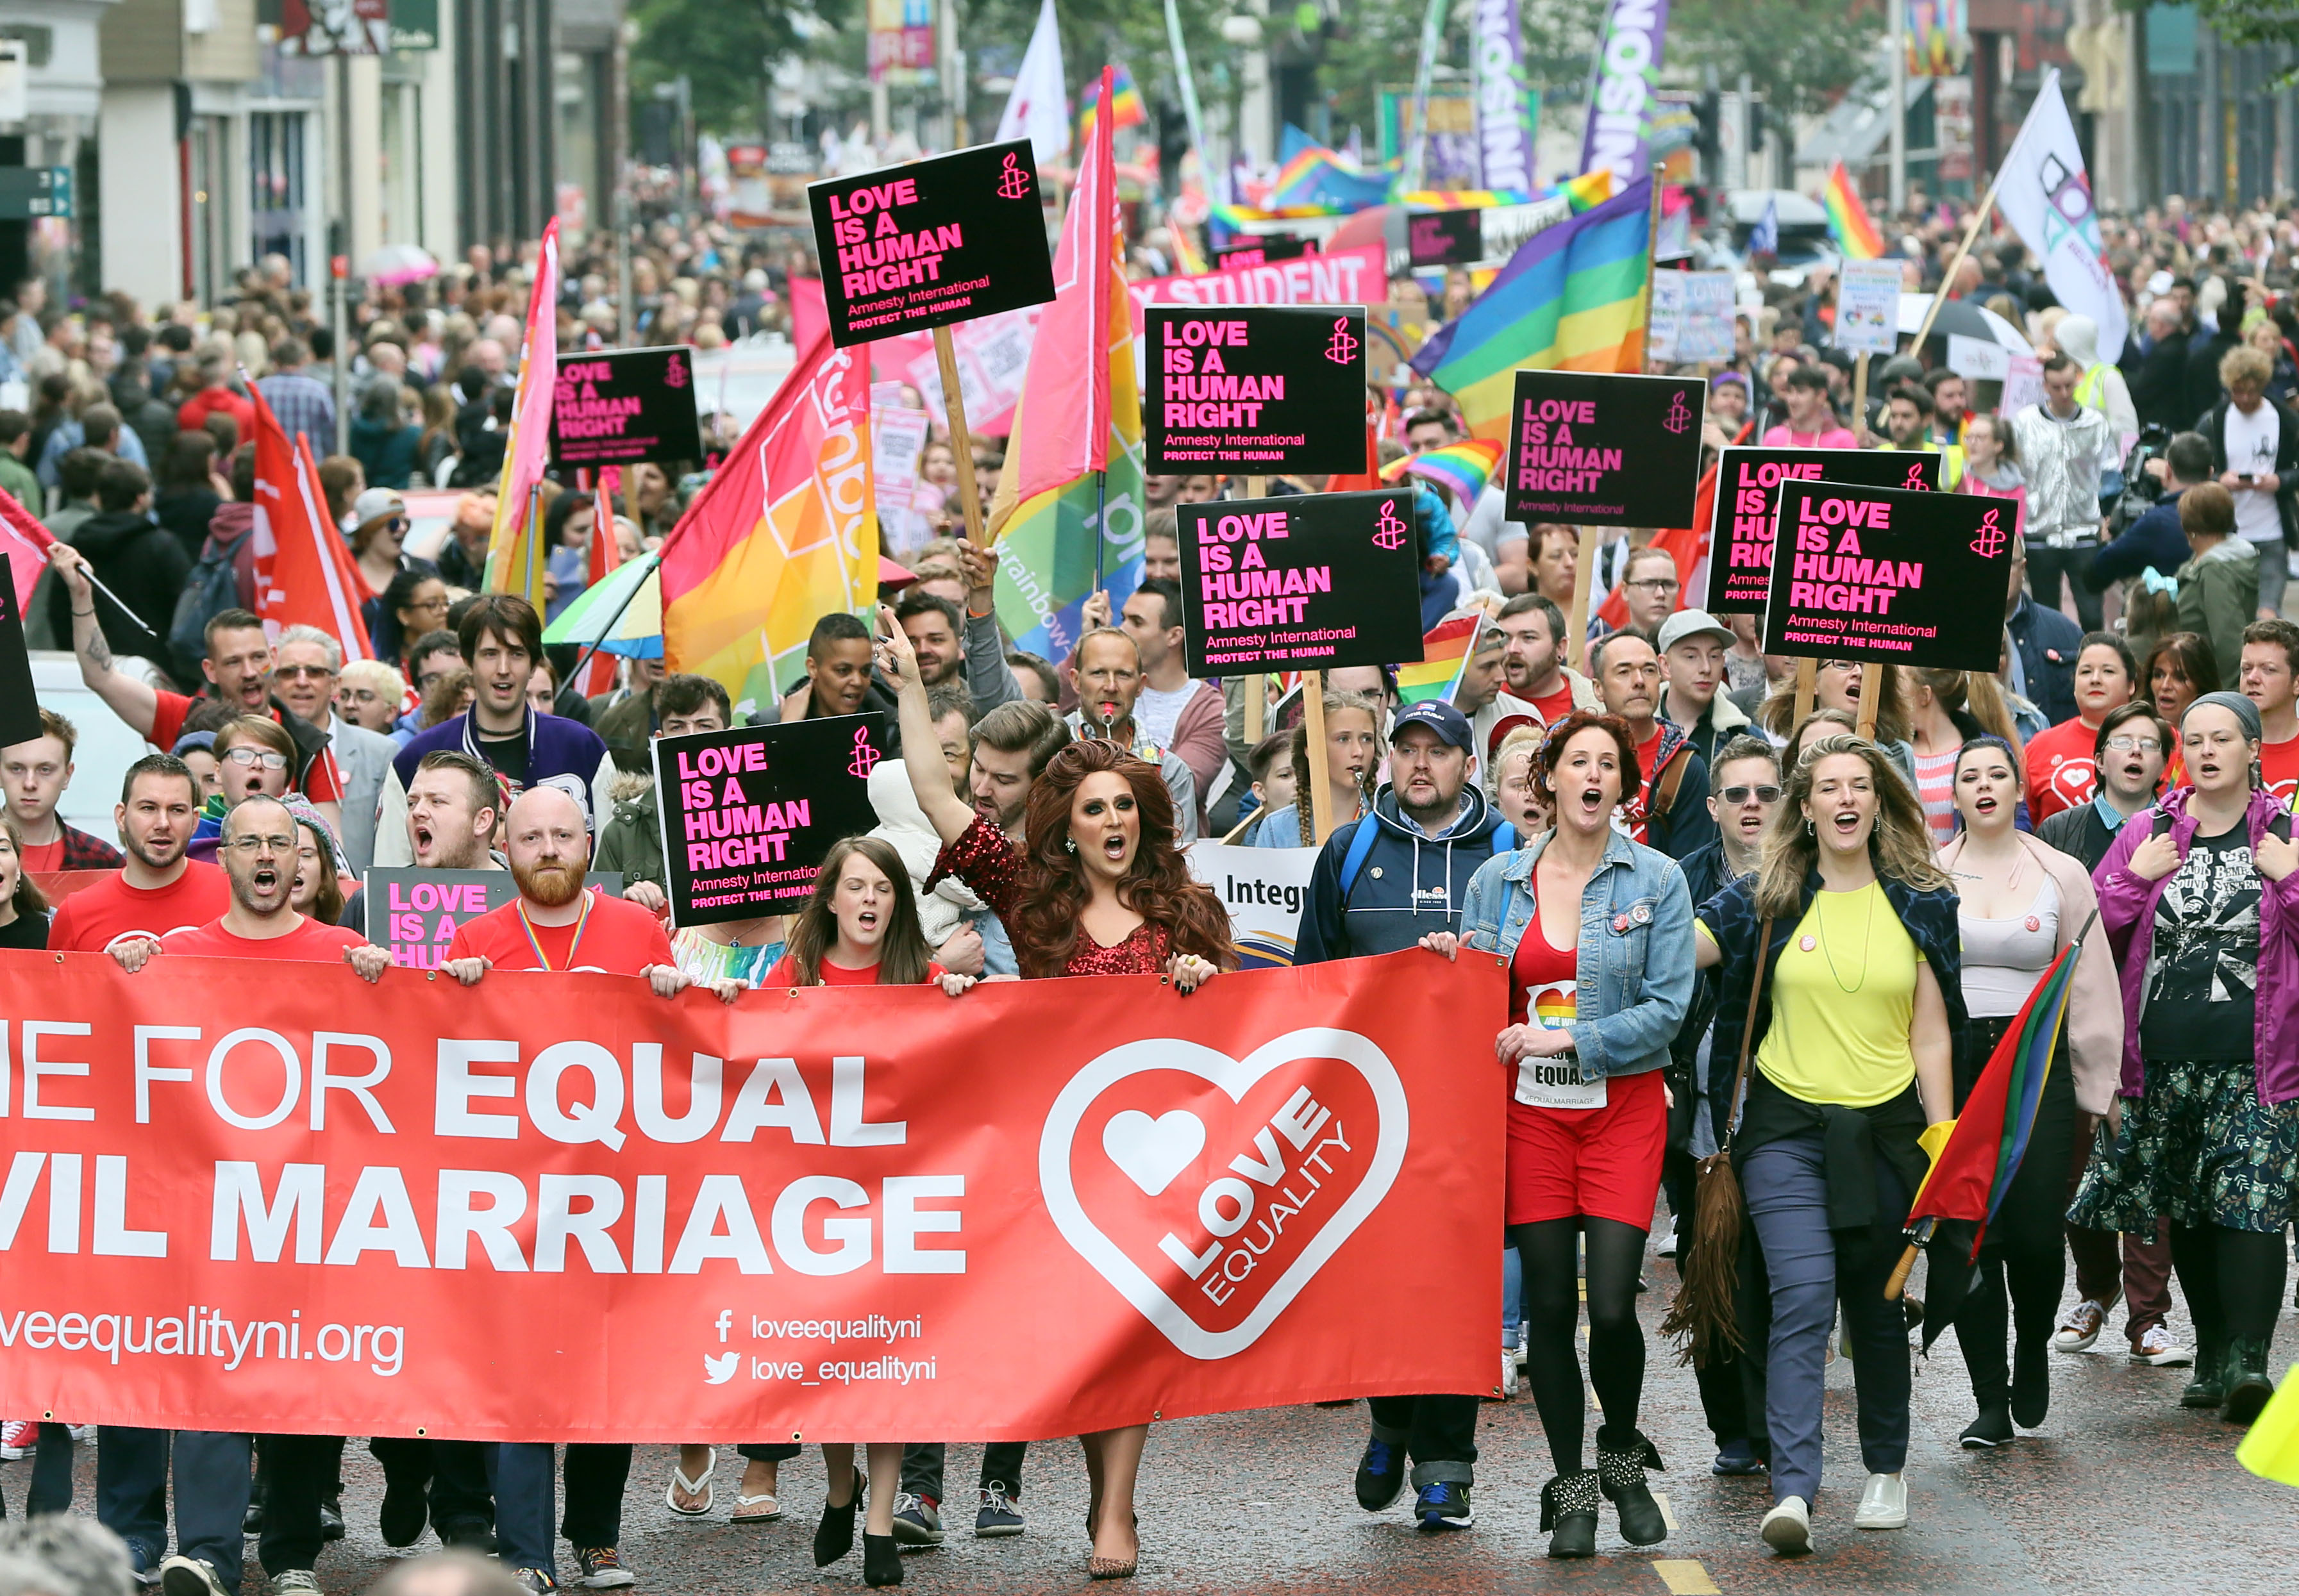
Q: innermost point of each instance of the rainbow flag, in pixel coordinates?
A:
(1126, 109)
(1445, 654)
(1313, 175)
(516, 556)
(1571, 299)
(1586, 191)
(1459, 199)
(1848, 217)
(1461, 469)
(1189, 260)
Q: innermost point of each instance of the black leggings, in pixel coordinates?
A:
(2024, 1257)
(2232, 1279)
(1616, 1341)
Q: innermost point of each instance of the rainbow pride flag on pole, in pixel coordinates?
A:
(1461, 469)
(1571, 299)
(1848, 217)
(1445, 653)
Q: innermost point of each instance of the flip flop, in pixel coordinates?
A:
(700, 1486)
(743, 1504)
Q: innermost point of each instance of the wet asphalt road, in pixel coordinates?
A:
(2120, 1492)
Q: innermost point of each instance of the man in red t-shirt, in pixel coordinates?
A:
(158, 889)
(2062, 762)
(258, 847)
(1534, 662)
(555, 925)
(238, 669)
(2270, 680)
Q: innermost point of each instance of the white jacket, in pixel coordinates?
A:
(903, 824)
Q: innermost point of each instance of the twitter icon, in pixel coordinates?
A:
(718, 1370)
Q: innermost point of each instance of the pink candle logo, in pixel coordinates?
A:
(1343, 347)
(1679, 414)
(1012, 182)
(866, 758)
(1989, 543)
(1388, 531)
(1916, 478)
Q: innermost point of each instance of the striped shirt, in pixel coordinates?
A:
(1935, 787)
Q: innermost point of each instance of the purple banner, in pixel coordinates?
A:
(1504, 113)
(1627, 61)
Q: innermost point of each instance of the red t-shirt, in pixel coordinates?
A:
(92, 921)
(1633, 811)
(785, 974)
(39, 859)
(313, 941)
(2278, 770)
(619, 938)
(1555, 706)
(1544, 981)
(2062, 772)
(322, 782)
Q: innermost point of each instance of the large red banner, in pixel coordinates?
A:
(255, 1196)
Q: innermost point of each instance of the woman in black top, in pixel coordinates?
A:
(184, 498)
(23, 906)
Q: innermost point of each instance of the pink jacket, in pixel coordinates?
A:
(2095, 1022)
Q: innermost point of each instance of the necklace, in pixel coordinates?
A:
(1827, 944)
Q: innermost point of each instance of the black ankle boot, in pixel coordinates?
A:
(881, 1560)
(2208, 1389)
(2031, 1383)
(1622, 1456)
(2247, 1384)
(1568, 1509)
(833, 1537)
(1992, 1429)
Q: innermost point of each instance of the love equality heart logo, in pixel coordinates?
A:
(1210, 1190)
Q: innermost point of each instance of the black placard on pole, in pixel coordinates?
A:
(1262, 250)
(1593, 449)
(20, 704)
(1444, 237)
(1310, 582)
(908, 248)
(1748, 497)
(1888, 576)
(1264, 389)
(624, 407)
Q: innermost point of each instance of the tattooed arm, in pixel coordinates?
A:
(132, 701)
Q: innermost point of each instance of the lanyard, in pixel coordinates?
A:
(582, 924)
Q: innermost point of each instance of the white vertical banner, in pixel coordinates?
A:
(2045, 195)
(1264, 889)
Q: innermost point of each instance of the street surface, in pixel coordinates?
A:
(2121, 1492)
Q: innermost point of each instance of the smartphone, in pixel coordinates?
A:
(2244, 476)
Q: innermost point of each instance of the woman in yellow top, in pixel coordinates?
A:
(1855, 928)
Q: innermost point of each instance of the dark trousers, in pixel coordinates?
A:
(2143, 1271)
(132, 1467)
(1438, 1434)
(52, 1472)
(452, 1475)
(595, 1475)
(2047, 565)
(780, 1451)
(292, 1474)
(1001, 1465)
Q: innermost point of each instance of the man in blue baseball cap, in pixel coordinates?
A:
(1380, 884)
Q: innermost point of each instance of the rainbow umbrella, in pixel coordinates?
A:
(621, 613)
(1461, 469)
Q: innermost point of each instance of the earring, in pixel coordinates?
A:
(1070, 843)
(1809, 829)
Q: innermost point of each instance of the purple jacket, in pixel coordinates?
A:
(2127, 908)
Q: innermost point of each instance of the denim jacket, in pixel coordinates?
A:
(1635, 953)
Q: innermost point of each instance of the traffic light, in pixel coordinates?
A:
(1173, 144)
(1707, 121)
(1755, 126)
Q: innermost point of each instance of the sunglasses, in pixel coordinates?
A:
(1765, 794)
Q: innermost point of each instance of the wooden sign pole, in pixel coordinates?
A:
(961, 443)
(1872, 692)
(1257, 682)
(1808, 682)
(1860, 398)
(1320, 794)
(1576, 624)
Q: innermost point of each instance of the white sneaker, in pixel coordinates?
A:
(2080, 1329)
(1667, 1245)
(1788, 1527)
(1508, 1372)
(1884, 1504)
(2157, 1347)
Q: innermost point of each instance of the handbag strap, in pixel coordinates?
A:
(1748, 1036)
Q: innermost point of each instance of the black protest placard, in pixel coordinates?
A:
(749, 814)
(1748, 497)
(20, 704)
(951, 238)
(416, 912)
(1445, 237)
(1596, 449)
(624, 407)
(1890, 576)
(1305, 583)
(1262, 251)
(1265, 389)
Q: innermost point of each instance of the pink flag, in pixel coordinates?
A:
(515, 557)
(304, 573)
(25, 543)
(1066, 394)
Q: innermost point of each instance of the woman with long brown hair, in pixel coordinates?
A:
(1354, 752)
(1836, 684)
(1949, 708)
(1099, 887)
(1852, 931)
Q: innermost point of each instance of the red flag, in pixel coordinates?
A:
(598, 674)
(304, 573)
(24, 544)
(1687, 545)
(1067, 391)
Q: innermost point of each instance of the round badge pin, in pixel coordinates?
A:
(2033, 924)
(1808, 943)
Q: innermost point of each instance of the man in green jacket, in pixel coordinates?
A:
(632, 842)
(2219, 588)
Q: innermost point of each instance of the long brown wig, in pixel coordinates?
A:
(903, 955)
(1156, 886)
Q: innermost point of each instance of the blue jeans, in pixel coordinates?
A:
(1512, 1298)
(1811, 1268)
(212, 1489)
(526, 1488)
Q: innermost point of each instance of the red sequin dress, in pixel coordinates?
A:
(993, 868)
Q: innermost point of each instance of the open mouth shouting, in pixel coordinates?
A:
(1985, 803)
(1845, 820)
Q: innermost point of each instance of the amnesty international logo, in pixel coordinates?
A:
(1989, 543)
(1343, 347)
(1012, 182)
(1678, 416)
(1388, 531)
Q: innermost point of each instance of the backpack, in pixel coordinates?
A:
(211, 588)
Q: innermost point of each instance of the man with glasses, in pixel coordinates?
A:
(306, 666)
(1649, 590)
(2135, 742)
(211, 1485)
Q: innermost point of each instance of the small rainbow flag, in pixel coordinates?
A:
(1461, 469)
(1848, 217)
(1189, 260)
(1585, 191)
(1126, 109)
(1445, 654)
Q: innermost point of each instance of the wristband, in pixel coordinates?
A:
(84, 612)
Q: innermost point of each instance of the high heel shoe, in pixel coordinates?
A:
(833, 1536)
(1102, 1567)
(881, 1560)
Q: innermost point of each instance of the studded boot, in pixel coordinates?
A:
(1622, 1456)
(1568, 1510)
